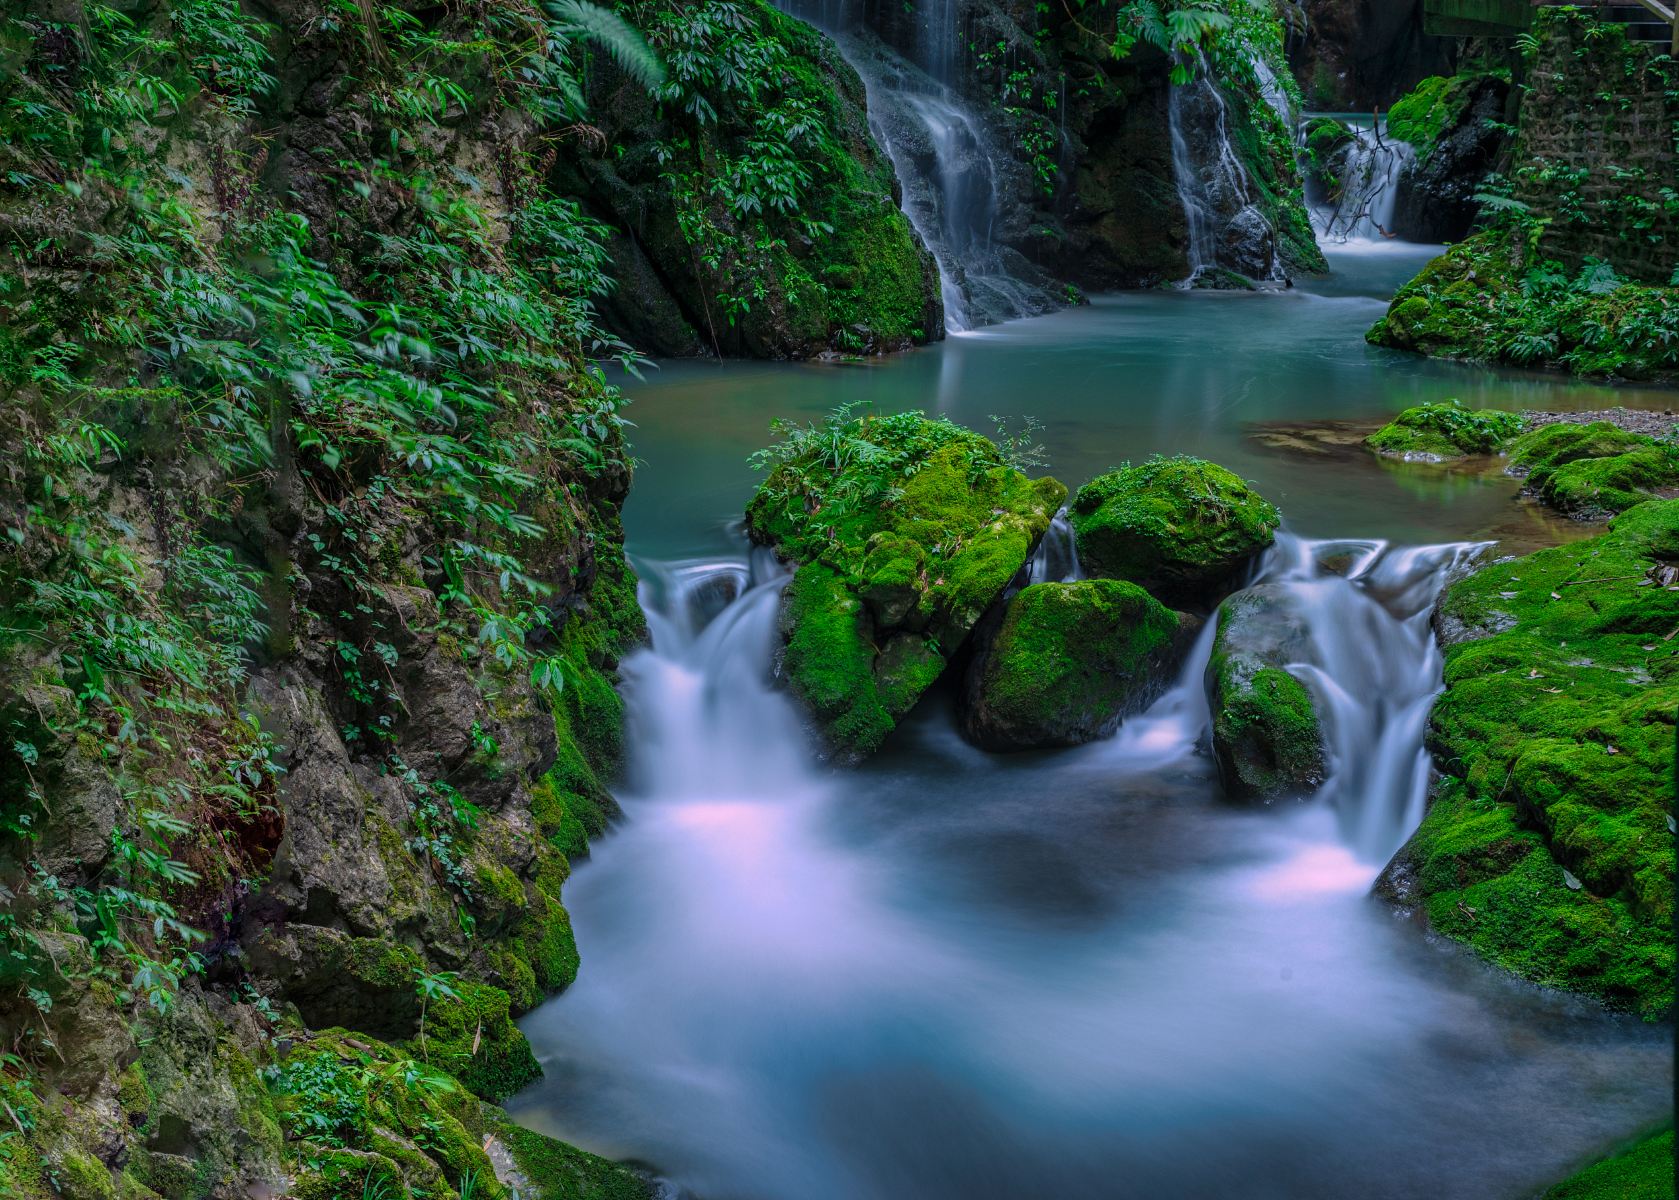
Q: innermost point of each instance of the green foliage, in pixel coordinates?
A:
(1494, 298)
(1438, 431)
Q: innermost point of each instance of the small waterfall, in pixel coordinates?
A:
(1358, 205)
(1227, 230)
(1371, 663)
(951, 172)
(708, 721)
(1057, 557)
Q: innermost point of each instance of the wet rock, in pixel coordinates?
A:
(899, 553)
(1268, 737)
(1457, 125)
(1184, 529)
(1069, 661)
(1435, 432)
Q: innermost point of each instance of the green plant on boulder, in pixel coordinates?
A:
(1067, 662)
(1432, 432)
(1268, 739)
(1548, 846)
(905, 531)
(1182, 528)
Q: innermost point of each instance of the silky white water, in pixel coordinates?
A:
(957, 975)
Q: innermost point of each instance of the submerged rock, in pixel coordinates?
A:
(1548, 847)
(1268, 739)
(1433, 432)
(900, 548)
(1182, 528)
(1069, 660)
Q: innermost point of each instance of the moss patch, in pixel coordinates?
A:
(1644, 1172)
(1443, 431)
(475, 1040)
(557, 1171)
(1548, 849)
(905, 530)
(1182, 528)
(1267, 736)
(1068, 661)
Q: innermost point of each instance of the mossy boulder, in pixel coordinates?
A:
(472, 1036)
(1268, 738)
(1182, 528)
(904, 531)
(1548, 848)
(1596, 470)
(542, 1168)
(1434, 432)
(1068, 661)
(1644, 1172)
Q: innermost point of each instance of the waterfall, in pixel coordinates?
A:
(1358, 205)
(1056, 559)
(1227, 229)
(952, 174)
(1371, 663)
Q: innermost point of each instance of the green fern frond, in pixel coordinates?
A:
(613, 34)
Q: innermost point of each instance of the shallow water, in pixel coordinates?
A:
(954, 974)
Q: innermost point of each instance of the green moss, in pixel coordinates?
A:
(82, 1177)
(1438, 103)
(561, 1172)
(1551, 446)
(1645, 1172)
(1440, 431)
(348, 1175)
(475, 1040)
(1266, 735)
(1068, 661)
(1180, 527)
(1493, 298)
(1557, 729)
(1601, 487)
(900, 550)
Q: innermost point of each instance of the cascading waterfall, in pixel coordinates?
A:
(950, 172)
(1372, 666)
(1366, 174)
(1056, 559)
(1227, 230)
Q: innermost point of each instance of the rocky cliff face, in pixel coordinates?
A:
(1358, 55)
(311, 595)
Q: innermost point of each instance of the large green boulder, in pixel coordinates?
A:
(1069, 660)
(1182, 528)
(1548, 847)
(903, 532)
(1268, 739)
(1596, 470)
(1433, 432)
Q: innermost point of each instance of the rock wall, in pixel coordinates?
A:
(1595, 149)
(311, 594)
(1459, 128)
(1359, 55)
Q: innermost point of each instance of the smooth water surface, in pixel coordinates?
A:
(951, 975)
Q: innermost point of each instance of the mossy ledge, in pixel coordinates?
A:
(898, 550)
(1548, 847)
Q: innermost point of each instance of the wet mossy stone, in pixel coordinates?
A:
(1182, 528)
(1435, 432)
(546, 1169)
(473, 1037)
(903, 532)
(1069, 660)
(1548, 847)
(1268, 738)
(1596, 470)
(1644, 1172)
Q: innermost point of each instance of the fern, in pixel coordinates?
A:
(606, 29)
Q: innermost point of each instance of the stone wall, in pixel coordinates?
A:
(1597, 146)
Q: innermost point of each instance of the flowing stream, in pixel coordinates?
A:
(951, 975)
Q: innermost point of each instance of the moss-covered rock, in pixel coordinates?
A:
(1644, 1172)
(1595, 470)
(1068, 661)
(1182, 528)
(472, 1036)
(1548, 848)
(1268, 739)
(1433, 432)
(1543, 450)
(899, 551)
(541, 1168)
